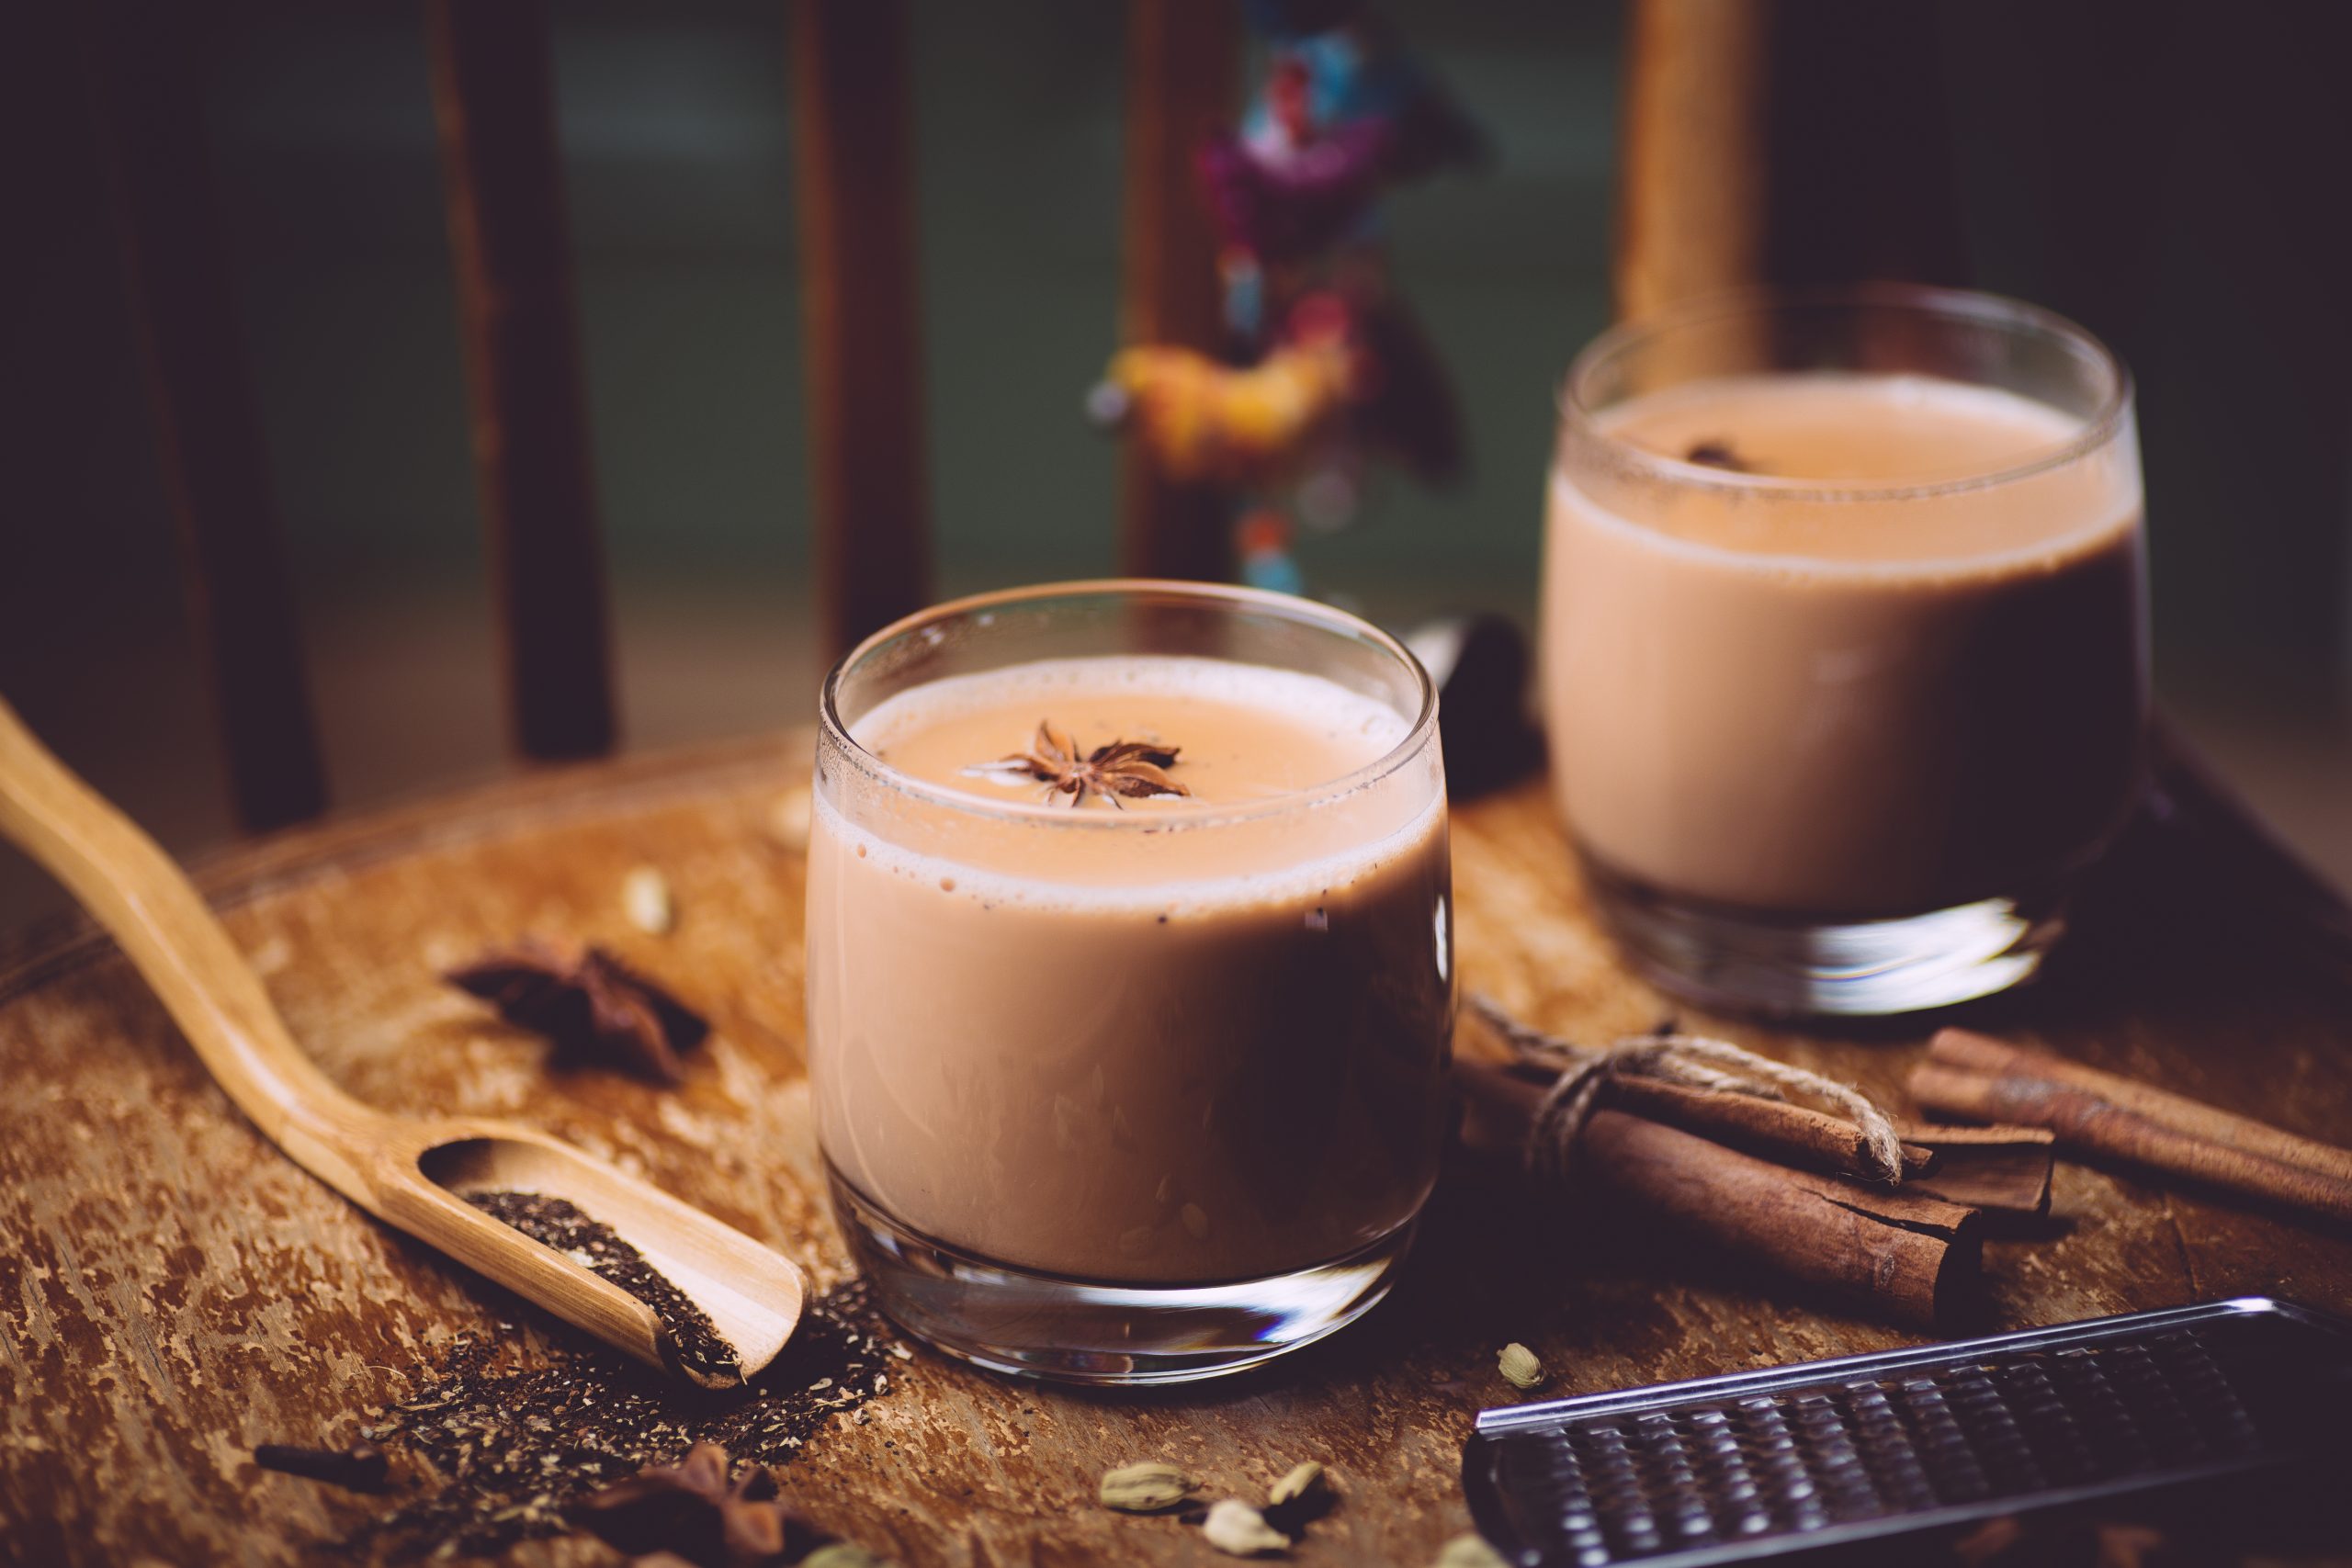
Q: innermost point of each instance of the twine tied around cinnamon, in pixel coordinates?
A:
(1695, 1061)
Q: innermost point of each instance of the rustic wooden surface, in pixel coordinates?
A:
(173, 1291)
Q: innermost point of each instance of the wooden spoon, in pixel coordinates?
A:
(409, 1172)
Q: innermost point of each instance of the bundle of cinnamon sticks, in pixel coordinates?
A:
(1795, 1190)
(2115, 1119)
(1780, 1185)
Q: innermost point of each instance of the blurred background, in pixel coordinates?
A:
(2169, 175)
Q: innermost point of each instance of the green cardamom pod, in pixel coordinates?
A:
(1519, 1368)
(1145, 1488)
(1302, 1478)
(1237, 1529)
(1469, 1552)
(843, 1554)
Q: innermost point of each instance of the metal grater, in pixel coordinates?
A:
(1827, 1453)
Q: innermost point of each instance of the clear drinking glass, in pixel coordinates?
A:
(1845, 646)
(1135, 1094)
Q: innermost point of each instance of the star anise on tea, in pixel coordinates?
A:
(1716, 452)
(592, 1006)
(1135, 769)
(690, 1511)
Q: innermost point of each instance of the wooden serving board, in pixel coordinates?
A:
(172, 1292)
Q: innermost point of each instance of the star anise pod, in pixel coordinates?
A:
(1136, 769)
(1716, 452)
(594, 1007)
(689, 1511)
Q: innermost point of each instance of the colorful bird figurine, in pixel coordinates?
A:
(1239, 427)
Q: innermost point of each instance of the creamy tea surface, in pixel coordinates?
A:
(1153, 1038)
(1849, 682)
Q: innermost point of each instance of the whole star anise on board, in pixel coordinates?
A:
(688, 1511)
(1136, 769)
(592, 1006)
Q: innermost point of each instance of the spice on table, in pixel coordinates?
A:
(2004, 1168)
(1519, 1366)
(1147, 1488)
(1914, 1258)
(789, 819)
(645, 899)
(360, 1468)
(1469, 1552)
(844, 1554)
(2114, 1117)
(702, 1352)
(592, 1006)
(1734, 1091)
(1897, 1251)
(517, 1450)
(1237, 1529)
(1300, 1497)
(690, 1509)
(1301, 1479)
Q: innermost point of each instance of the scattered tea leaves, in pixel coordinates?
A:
(515, 1450)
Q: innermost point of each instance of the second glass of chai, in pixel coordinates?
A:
(1130, 973)
(1845, 643)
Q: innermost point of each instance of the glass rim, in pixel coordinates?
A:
(1760, 301)
(1420, 735)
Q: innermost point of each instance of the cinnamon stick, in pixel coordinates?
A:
(1899, 1254)
(2006, 1169)
(2100, 1113)
(1791, 1135)
(2002, 1167)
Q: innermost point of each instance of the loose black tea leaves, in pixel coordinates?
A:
(702, 1352)
(508, 1451)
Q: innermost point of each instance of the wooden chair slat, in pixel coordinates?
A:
(853, 173)
(1183, 65)
(141, 61)
(493, 96)
(1781, 142)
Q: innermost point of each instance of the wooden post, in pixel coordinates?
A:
(1183, 61)
(493, 96)
(142, 64)
(1782, 141)
(854, 169)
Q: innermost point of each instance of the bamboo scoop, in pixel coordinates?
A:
(409, 1172)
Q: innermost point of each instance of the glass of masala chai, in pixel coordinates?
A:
(1845, 640)
(1130, 973)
